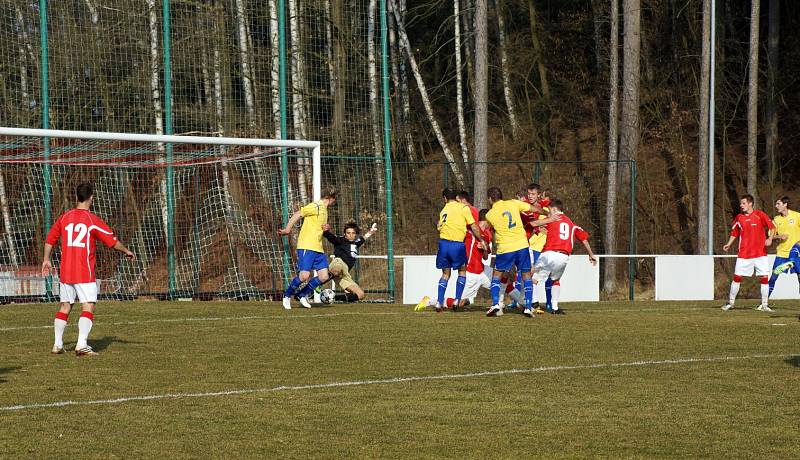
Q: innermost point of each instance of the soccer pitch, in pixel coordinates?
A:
(248, 379)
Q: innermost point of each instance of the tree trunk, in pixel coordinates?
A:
(9, 231)
(504, 67)
(298, 69)
(610, 280)
(243, 32)
(339, 118)
(406, 45)
(401, 87)
(326, 5)
(374, 106)
(704, 152)
(23, 72)
(771, 111)
(275, 69)
(752, 103)
(629, 138)
(462, 127)
(155, 90)
(481, 104)
(537, 50)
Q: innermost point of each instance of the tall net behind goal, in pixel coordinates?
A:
(223, 202)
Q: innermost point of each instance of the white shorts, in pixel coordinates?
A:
(86, 292)
(745, 267)
(474, 282)
(551, 264)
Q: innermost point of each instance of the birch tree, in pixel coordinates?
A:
(703, 157)
(505, 69)
(610, 281)
(462, 128)
(374, 108)
(752, 101)
(243, 34)
(298, 70)
(400, 79)
(481, 104)
(406, 45)
(275, 68)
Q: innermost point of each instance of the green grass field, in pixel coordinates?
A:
(246, 379)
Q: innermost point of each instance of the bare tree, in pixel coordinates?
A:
(752, 101)
(298, 69)
(374, 107)
(629, 135)
(506, 71)
(275, 68)
(481, 104)
(400, 77)
(703, 150)
(771, 110)
(610, 281)
(462, 128)
(243, 32)
(544, 86)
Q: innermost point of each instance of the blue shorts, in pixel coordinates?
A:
(451, 254)
(535, 257)
(308, 260)
(520, 258)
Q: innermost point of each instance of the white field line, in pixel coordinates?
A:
(394, 380)
(207, 318)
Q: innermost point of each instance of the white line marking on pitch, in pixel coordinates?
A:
(389, 381)
(208, 318)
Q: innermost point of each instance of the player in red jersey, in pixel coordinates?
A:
(557, 249)
(78, 230)
(464, 198)
(750, 227)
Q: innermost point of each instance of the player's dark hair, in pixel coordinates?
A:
(463, 194)
(449, 194)
(84, 191)
(329, 192)
(482, 214)
(495, 194)
(352, 225)
(533, 186)
(557, 204)
(748, 197)
(784, 199)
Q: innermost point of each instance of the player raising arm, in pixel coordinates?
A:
(78, 229)
(750, 227)
(310, 255)
(345, 250)
(556, 251)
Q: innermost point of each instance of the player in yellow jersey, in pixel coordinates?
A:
(310, 255)
(787, 253)
(454, 219)
(512, 245)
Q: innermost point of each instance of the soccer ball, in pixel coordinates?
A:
(326, 296)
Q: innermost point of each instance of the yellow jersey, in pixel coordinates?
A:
(537, 240)
(453, 221)
(509, 232)
(789, 225)
(315, 215)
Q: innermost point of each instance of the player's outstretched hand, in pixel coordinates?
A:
(129, 255)
(284, 231)
(47, 267)
(326, 227)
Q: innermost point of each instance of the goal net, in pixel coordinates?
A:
(200, 213)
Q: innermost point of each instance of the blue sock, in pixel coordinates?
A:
(528, 286)
(460, 283)
(495, 290)
(442, 289)
(772, 280)
(292, 287)
(548, 291)
(310, 287)
(518, 282)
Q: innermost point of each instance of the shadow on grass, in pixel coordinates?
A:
(104, 342)
(794, 361)
(6, 370)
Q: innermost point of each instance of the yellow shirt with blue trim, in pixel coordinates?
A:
(509, 233)
(315, 215)
(537, 240)
(453, 221)
(789, 225)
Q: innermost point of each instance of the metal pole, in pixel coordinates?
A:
(47, 169)
(387, 149)
(284, 157)
(170, 170)
(711, 130)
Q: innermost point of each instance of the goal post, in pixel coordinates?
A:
(203, 224)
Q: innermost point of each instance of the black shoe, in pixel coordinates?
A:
(558, 312)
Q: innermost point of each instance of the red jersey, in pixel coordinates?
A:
(474, 252)
(78, 230)
(750, 228)
(561, 234)
(528, 217)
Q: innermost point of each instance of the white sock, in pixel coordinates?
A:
(555, 291)
(764, 294)
(516, 296)
(734, 291)
(84, 327)
(58, 326)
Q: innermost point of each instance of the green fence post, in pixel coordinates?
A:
(47, 169)
(284, 157)
(632, 230)
(537, 172)
(170, 170)
(387, 149)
